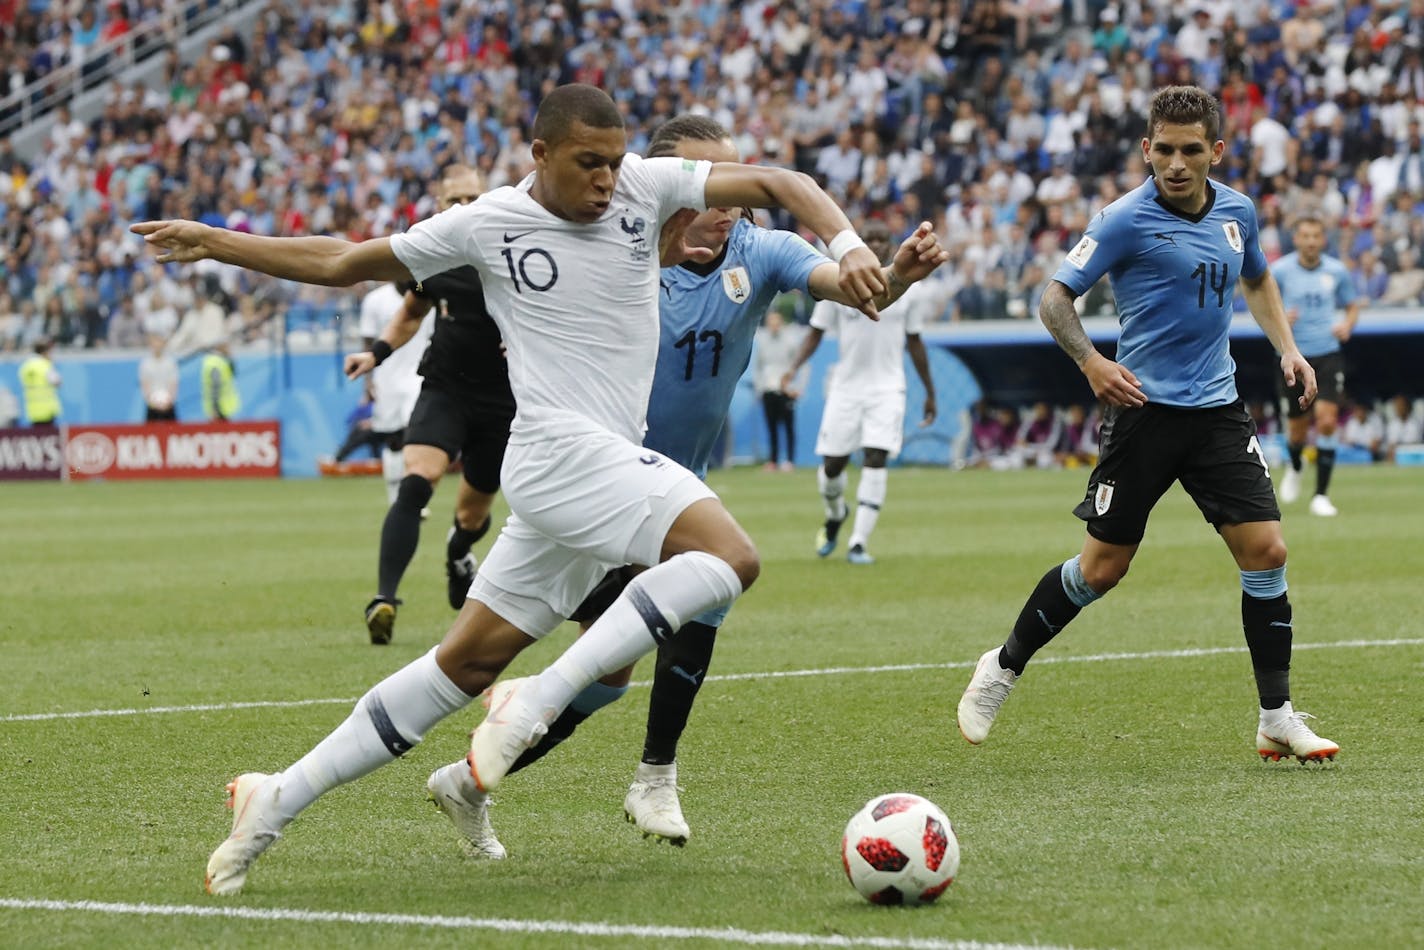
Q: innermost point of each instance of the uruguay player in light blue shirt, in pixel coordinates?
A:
(1315, 286)
(709, 313)
(1173, 249)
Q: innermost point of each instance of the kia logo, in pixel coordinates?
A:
(90, 453)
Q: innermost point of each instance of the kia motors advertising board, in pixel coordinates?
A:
(205, 450)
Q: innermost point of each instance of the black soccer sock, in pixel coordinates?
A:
(401, 533)
(682, 666)
(460, 540)
(1324, 468)
(1297, 453)
(1048, 610)
(1267, 625)
(559, 730)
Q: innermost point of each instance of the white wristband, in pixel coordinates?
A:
(843, 243)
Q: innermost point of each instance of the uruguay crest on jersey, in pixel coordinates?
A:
(736, 284)
(1233, 236)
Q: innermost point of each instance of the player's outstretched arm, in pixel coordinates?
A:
(328, 261)
(394, 335)
(1112, 382)
(917, 257)
(1263, 298)
(733, 185)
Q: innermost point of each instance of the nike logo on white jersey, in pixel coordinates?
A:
(511, 238)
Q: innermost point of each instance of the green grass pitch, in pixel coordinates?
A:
(1119, 802)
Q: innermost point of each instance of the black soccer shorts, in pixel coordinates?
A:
(1213, 452)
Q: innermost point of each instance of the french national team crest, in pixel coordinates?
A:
(1233, 236)
(1102, 501)
(736, 284)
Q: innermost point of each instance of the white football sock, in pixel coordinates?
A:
(869, 496)
(392, 470)
(682, 586)
(389, 720)
(832, 493)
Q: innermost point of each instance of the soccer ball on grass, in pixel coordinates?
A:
(900, 849)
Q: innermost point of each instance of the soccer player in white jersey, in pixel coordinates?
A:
(395, 384)
(569, 261)
(709, 313)
(866, 406)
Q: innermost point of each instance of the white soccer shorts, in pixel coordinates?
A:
(582, 505)
(855, 420)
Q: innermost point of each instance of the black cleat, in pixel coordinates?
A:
(458, 576)
(381, 620)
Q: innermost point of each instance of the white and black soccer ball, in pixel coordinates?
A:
(900, 849)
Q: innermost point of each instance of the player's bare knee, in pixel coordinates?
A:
(742, 557)
(1270, 555)
(1104, 574)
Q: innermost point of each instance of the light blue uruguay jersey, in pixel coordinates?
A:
(1314, 293)
(1174, 277)
(708, 323)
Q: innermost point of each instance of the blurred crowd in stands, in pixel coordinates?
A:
(1008, 124)
(1002, 437)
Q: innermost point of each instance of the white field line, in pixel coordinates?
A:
(732, 935)
(728, 677)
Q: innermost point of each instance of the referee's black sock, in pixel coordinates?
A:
(401, 533)
(1297, 454)
(459, 541)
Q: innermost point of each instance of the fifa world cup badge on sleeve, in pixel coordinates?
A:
(1083, 252)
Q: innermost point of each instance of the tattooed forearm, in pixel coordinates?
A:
(1057, 313)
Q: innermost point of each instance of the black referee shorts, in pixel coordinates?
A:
(462, 429)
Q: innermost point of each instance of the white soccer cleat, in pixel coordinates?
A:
(652, 805)
(1320, 505)
(987, 690)
(1290, 485)
(453, 791)
(1283, 733)
(252, 797)
(514, 723)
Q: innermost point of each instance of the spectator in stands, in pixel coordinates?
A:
(1403, 425)
(1078, 438)
(1362, 429)
(1037, 437)
(1405, 285)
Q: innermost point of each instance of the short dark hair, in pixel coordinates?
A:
(1185, 105)
(574, 102)
(699, 128)
(1308, 217)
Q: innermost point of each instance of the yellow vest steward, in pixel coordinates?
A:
(220, 399)
(41, 395)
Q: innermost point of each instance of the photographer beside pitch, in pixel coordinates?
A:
(1174, 249)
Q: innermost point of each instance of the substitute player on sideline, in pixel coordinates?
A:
(464, 411)
(1313, 285)
(866, 406)
(569, 263)
(1174, 249)
(709, 313)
